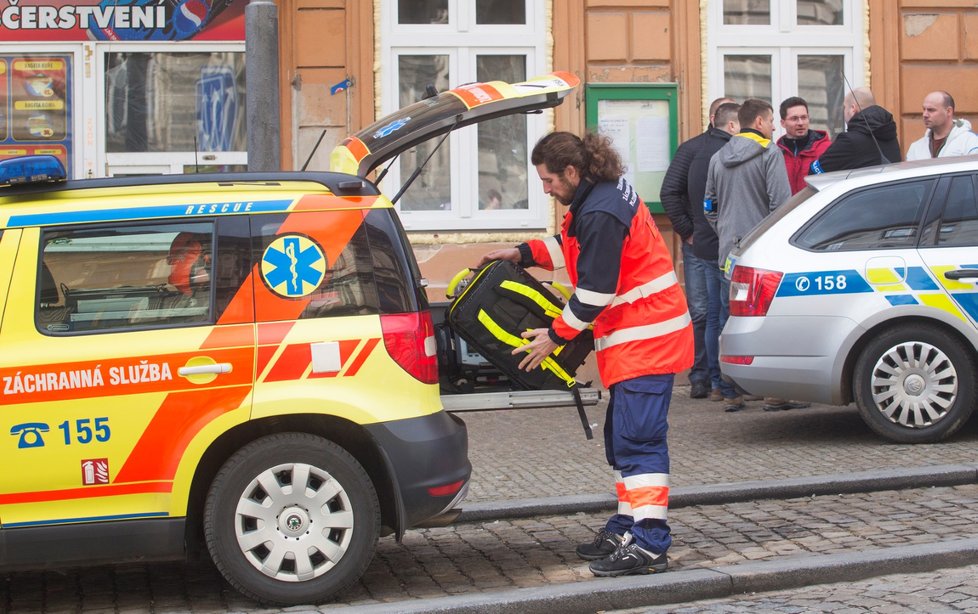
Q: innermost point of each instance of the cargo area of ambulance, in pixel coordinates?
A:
(468, 380)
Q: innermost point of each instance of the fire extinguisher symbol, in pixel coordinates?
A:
(95, 471)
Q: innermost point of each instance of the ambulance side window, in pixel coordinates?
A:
(125, 277)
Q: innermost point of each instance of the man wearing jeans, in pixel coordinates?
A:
(705, 246)
(746, 180)
(682, 197)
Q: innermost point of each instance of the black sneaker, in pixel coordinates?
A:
(698, 390)
(605, 543)
(630, 560)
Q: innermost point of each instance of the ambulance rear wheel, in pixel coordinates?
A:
(915, 384)
(291, 519)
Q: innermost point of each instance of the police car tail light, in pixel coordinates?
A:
(410, 340)
(752, 290)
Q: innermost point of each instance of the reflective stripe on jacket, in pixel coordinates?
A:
(641, 326)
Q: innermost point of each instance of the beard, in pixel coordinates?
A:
(566, 195)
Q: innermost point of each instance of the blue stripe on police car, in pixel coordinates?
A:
(823, 282)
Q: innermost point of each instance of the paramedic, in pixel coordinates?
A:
(626, 288)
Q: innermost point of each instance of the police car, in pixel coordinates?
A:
(862, 287)
(239, 362)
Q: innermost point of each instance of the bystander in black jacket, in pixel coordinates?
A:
(856, 148)
(674, 192)
(683, 202)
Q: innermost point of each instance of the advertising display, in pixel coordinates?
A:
(123, 86)
(121, 20)
(35, 106)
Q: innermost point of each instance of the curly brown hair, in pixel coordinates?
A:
(593, 156)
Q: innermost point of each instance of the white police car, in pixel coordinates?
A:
(862, 287)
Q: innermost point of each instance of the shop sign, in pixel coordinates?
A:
(122, 20)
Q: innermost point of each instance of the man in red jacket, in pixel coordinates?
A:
(800, 145)
(627, 290)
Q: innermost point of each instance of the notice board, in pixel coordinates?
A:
(642, 121)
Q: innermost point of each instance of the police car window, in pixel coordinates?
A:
(879, 217)
(959, 224)
(125, 277)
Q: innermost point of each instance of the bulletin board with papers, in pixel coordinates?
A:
(641, 120)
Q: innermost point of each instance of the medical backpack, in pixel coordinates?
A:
(501, 302)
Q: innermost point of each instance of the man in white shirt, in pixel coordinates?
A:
(945, 136)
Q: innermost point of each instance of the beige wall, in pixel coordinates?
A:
(323, 42)
(937, 49)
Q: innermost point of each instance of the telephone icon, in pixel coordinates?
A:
(30, 434)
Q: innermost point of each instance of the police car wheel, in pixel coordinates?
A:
(915, 384)
(291, 519)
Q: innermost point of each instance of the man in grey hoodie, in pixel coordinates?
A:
(746, 180)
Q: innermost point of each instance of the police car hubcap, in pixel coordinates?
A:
(294, 522)
(914, 384)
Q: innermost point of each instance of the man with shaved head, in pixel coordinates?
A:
(945, 135)
(870, 137)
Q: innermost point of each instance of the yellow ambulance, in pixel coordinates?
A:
(243, 362)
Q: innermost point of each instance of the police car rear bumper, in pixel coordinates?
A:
(793, 357)
(423, 455)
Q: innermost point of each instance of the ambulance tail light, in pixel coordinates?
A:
(410, 340)
(752, 290)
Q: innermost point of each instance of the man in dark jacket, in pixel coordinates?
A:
(682, 195)
(705, 243)
(800, 144)
(870, 137)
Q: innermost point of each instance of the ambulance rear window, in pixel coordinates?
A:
(368, 276)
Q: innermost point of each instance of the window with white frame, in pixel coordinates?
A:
(774, 49)
(481, 176)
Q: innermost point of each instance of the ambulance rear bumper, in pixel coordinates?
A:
(427, 459)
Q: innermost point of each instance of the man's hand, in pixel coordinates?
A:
(509, 253)
(539, 347)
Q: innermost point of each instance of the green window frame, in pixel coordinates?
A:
(646, 115)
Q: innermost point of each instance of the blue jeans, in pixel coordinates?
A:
(727, 388)
(703, 300)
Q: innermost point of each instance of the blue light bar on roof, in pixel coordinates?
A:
(31, 169)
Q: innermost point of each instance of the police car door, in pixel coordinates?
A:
(127, 347)
(948, 246)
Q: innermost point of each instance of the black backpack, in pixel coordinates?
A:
(501, 302)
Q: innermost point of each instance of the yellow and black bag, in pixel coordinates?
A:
(501, 302)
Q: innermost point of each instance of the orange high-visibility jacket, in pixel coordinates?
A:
(625, 284)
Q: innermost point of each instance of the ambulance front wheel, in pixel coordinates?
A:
(291, 519)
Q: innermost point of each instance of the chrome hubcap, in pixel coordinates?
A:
(914, 384)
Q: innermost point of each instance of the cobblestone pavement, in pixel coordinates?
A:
(543, 452)
(533, 552)
(947, 590)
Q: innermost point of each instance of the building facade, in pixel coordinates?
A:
(120, 87)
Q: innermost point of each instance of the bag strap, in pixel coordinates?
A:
(588, 434)
(548, 364)
(534, 295)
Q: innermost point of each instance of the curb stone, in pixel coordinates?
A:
(697, 584)
(733, 492)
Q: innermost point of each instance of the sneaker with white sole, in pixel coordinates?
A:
(629, 560)
(605, 543)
